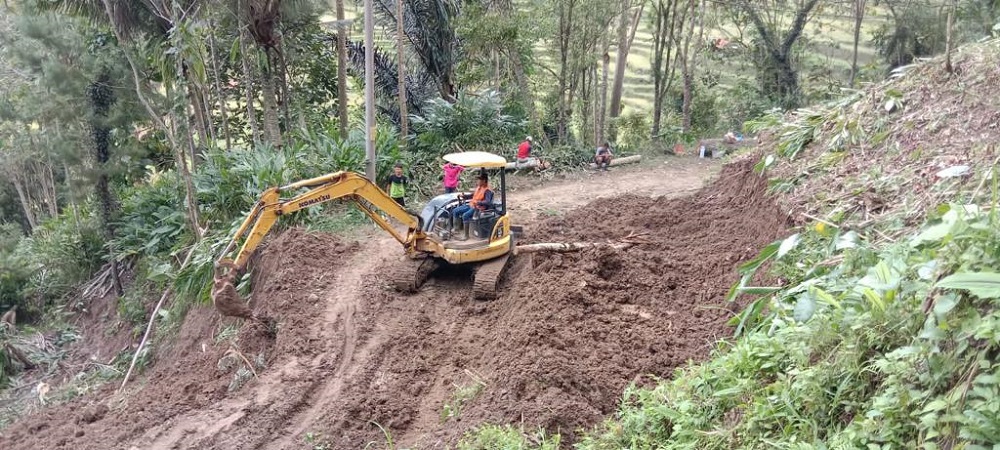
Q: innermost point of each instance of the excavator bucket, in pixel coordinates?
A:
(224, 296)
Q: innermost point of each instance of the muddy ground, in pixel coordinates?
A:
(350, 358)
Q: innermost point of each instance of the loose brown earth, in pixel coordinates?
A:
(554, 351)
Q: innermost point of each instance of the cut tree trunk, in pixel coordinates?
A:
(568, 247)
(620, 161)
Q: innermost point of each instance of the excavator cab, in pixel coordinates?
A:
(425, 244)
(437, 214)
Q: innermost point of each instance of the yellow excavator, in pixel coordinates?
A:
(428, 240)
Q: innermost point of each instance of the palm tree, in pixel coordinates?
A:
(430, 33)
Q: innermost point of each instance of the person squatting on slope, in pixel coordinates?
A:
(603, 156)
(451, 173)
(481, 199)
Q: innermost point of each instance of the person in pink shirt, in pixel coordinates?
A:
(451, 173)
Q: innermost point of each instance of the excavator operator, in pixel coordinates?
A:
(481, 199)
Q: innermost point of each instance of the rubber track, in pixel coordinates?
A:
(409, 274)
(487, 278)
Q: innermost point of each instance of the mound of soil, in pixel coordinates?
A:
(188, 376)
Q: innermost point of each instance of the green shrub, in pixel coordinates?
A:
(59, 254)
(495, 437)
(152, 216)
(474, 122)
(13, 276)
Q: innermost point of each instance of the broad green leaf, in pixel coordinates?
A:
(933, 233)
(847, 240)
(805, 307)
(926, 270)
(936, 405)
(945, 303)
(985, 285)
(787, 245)
(823, 297)
(759, 290)
(761, 258)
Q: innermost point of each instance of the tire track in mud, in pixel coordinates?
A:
(342, 306)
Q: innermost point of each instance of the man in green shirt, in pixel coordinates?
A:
(396, 186)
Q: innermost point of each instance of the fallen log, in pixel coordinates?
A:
(567, 247)
(531, 163)
(620, 161)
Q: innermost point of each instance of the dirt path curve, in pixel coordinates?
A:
(671, 177)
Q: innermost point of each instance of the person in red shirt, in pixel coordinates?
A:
(451, 173)
(524, 151)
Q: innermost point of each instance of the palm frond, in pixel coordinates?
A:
(419, 87)
(130, 17)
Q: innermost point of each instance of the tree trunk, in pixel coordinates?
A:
(272, 132)
(668, 54)
(687, 72)
(22, 195)
(585, 92)
(780, 51)
(401, 70)
(219, 93)
(565, 98)
(602, 110)
(158, 120)
(197, 121)
(620, 61)
(281, 78)
(53, 198)
(949, 44)
(342, 71)
(189, 191)
(527, 97)
(248, 85)
(657, 66)
(859, 15)
(101, 98)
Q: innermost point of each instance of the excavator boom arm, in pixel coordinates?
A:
(366, 195)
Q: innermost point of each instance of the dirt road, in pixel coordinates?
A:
(353, 363)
